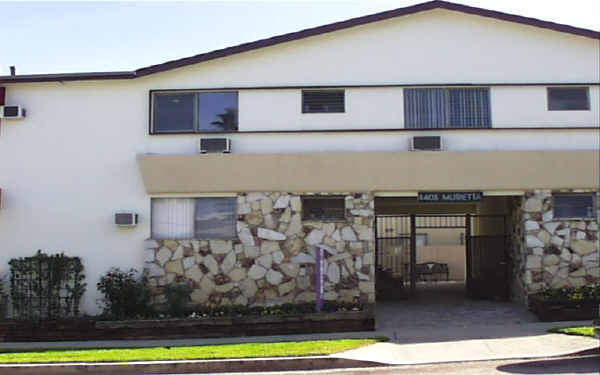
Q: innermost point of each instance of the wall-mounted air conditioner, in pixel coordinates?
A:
(11, 112)
(126, 219)
(215, 145)
(426, 143)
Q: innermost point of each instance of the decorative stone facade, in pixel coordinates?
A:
(272, 260)
(552, 253)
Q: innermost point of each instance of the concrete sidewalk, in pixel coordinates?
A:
(485, 342)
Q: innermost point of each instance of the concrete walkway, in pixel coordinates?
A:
(441, 325)
(502, 342)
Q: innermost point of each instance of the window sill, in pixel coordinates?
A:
(193, 239)
(192, 132)
(324, 112)
(568, 110)
(336, 220)
(574, 218)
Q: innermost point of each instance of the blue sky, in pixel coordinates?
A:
(52, 37)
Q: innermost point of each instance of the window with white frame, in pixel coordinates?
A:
(183, 218)
(431, 107)
(573, 206)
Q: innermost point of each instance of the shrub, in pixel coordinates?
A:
(285, 309)
(126, 295)
(46, 286)
(178, 296)
(588, 292)
(2, 301)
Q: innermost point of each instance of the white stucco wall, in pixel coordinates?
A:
(70, 165)
(528, 107)
(434, 47)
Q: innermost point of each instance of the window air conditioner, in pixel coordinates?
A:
(215, 145)
(11, 112)
(428, 143)
(126, 219)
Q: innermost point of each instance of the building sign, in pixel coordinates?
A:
(445, 197)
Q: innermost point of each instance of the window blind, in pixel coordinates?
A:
(431, 108)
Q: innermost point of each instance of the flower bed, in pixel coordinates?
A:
(566, 304)
(213, 325)
(241, 326)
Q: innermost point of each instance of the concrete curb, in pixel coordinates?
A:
(199, 366)
(253, 365)
(111, 344)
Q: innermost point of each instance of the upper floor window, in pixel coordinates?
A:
(568, 99)
(447, 108)
(194, 112)
(186, 218)
(573, 206)
(323, 101)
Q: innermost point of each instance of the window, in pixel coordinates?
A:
(568, 98)
(328, 208)
(177, 218)
(195, 112)
(322, 101)
(447, 108)
(573, 206)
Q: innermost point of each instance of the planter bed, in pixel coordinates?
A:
(563, 310)
(89, 329)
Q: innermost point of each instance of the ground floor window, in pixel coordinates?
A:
(177, 218)
(573, 206)
(327, 208)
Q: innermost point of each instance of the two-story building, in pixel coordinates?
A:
(434, 109)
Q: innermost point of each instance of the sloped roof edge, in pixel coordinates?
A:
(262, 43)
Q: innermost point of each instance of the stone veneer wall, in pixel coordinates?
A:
(272, 261)
(554, 253)
(518, 252)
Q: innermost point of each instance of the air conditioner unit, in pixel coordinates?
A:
(1, 205)
(428, 143)
(215, 145)
(11, 112)
(126, 219)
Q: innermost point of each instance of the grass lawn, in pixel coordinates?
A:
(577, 331)
(250, 350)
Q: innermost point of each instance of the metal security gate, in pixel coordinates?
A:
(487, 257)
(485, 245)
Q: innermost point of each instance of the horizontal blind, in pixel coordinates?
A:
(323, 101)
